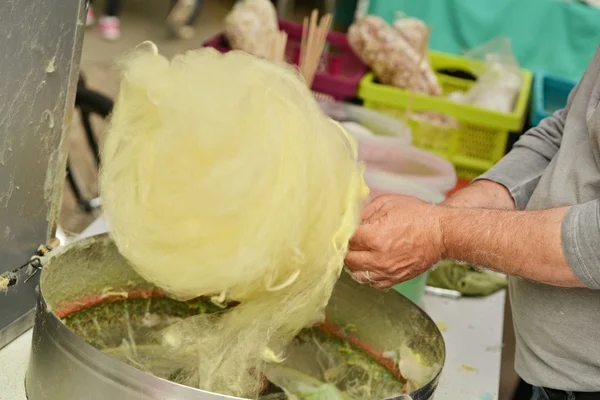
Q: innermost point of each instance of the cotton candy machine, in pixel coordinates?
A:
(96, 320)
(41, 46)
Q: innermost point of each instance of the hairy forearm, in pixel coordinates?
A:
(482, 194)
(520, 243)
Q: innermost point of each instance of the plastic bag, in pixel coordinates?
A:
(391, 57)
(250, 26)
(404, 161)
(373, 121)
(499, 78)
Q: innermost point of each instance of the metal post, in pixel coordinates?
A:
(41, 48)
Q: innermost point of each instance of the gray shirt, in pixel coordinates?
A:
(558, 164)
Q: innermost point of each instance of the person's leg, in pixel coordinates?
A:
(179, 16)
(195, 14)
(113, 8)
(109, 24)
(523, 391)
(90, 18)
(538, 394)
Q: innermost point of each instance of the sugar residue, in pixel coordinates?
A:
(47, 116)
(51, 67)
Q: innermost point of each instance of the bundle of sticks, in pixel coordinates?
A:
(313, 43)
(277, 46)
(314, 38)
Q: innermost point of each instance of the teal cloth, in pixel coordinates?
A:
(344, 14)
(554, 36)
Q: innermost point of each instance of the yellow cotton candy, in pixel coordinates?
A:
(223, 178)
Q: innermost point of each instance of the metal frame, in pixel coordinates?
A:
(88, 102)
(63, 366)
(41, 45)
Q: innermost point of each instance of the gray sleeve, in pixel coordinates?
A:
(580, 235)
(521, 169)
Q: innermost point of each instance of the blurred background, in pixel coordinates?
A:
(545, 44)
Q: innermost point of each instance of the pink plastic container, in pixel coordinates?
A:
(340, 71)
(386, 147)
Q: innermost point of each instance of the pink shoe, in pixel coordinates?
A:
(90, 18)
(109, 27)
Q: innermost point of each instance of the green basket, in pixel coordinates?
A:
(414, 288)
(481, 139)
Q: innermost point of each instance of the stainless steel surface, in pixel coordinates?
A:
(448, 293)
(41, 45)
(17, 327)
(65, 367)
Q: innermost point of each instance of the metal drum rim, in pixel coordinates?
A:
(115, 369)
(104, 364)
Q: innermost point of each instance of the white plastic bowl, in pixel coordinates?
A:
(380, 183)
(384, 144)
(379, 124)
(406, 162)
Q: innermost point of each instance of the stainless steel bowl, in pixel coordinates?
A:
(63, 366)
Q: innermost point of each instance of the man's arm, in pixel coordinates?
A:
(482, 194)
(401, 237)
(558, 246)
(511, 182)
(520, 243)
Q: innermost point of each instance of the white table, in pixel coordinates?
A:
(472, 329)
(473, 335)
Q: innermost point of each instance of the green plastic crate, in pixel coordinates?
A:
(481, 139)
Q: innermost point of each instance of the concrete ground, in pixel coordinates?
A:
(145, 20)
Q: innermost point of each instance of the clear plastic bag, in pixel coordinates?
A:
(375, 122)
(499, 77)
(402, 161)
(250, 26)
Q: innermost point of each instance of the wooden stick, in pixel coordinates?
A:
(325, 51)
(303, 42)
(271, 50)
(314, 38)
(317, 46)
(310, 47)
(314, 48)
(324, 25)
(275, 47)
(282, 44)
(276, 51)
(305, 55)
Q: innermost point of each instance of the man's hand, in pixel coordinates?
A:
(399, 238)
